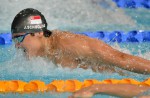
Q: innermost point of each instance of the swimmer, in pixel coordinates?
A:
(118, 90)
(29, 32)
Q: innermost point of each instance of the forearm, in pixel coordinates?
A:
(120, 90)
(111, 56)
(133, 63)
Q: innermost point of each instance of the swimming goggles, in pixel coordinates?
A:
(20, 38)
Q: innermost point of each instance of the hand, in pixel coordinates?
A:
(83, 93)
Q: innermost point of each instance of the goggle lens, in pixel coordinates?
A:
(20, 38)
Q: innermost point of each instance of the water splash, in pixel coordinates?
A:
(146, 93)
(75, 15)
(20, 68)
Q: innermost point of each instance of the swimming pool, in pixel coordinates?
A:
(14, 66)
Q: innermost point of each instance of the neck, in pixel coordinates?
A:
(47, 46)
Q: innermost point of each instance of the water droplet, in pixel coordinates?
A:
(146, 70)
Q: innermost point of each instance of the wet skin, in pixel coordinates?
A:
(74, 50)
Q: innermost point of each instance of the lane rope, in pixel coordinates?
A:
(114, 36)
(19, 86)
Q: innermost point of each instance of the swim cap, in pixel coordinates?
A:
(29, 20)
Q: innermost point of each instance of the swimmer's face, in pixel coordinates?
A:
(29, 42)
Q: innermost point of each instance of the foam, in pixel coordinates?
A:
(70, 15)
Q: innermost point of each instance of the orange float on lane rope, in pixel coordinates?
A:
(2, 86)
(59, 84)
(72, 85)
(145, 82)
(35, 86)
(90, 82)
(18, 86)
(129, 81)
(110, 81)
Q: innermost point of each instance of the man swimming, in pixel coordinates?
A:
(29, 31)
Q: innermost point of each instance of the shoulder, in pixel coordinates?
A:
(62, 34)
(68, 35)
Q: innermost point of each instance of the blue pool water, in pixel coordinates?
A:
(16, 66)
(79, 15)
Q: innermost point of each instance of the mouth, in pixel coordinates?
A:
(21, 48)
(24, 50)
(26, 54)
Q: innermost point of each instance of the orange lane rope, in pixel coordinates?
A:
(18, 86)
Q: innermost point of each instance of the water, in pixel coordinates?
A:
(16, 66)
(73, 15)
(78, 15)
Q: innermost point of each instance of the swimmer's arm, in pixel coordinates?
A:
(99, 51)
(120, 90)
(133, 63)
(114, 57)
